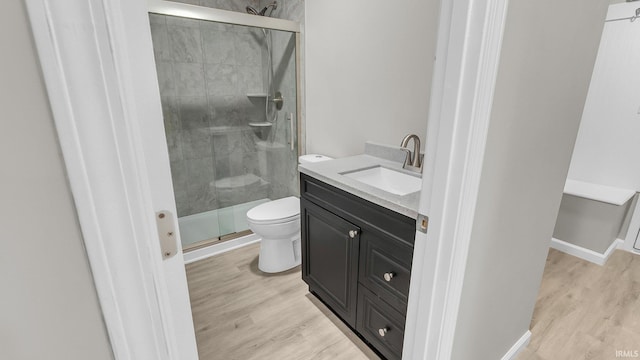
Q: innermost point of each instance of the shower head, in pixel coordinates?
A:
(273, 6)
(251, 10)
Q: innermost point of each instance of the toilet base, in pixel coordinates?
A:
(277, 255)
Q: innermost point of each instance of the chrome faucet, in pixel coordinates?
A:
(412, 162)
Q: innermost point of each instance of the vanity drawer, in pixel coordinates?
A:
(380, 324)
(385, 268)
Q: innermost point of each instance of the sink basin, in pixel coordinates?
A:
(392, 181)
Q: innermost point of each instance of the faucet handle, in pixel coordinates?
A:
(408, 160)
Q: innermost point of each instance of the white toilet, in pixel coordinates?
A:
(277, 223)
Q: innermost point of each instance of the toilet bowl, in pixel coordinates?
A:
(277, 223)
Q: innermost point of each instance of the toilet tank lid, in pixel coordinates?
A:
(277, 209)
(312, 158)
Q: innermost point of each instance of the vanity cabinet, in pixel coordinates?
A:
(356, 258)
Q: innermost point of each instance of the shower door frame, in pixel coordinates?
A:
(195, 12)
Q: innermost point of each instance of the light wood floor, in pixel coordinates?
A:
(241, 313)
(586, 311)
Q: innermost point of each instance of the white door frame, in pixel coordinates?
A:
(106, 111)
(88, 49)
(631, 236)
(467, 57)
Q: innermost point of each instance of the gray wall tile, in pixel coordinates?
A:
(171, 115)
(174, 145)
(185, 43)
(160, 38)
(199, 171)
(155, 19)
(189, 80)
(224, 110)
(219, 46)
(166, 79)
(221, 79)
(248, 49)
(196, 144)
(192, 2)
(194, 112)
(250, 79)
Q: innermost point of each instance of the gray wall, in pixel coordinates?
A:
(48, 307)
(590, 224)
(368, 72)
(546, 62)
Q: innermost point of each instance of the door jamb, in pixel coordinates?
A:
(84, 51)
(467, 58)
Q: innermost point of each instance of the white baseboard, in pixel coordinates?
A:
(584, 253)
(220, 248)
(629, 246)
(518, 346)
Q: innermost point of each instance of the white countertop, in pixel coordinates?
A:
(330, 173)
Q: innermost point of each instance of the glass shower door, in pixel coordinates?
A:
(230, 111)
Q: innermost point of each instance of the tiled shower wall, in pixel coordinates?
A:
(205, 71)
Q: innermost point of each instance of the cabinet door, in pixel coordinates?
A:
(330, 259)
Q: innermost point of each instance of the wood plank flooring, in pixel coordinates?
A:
(586, 311)
(240, 313)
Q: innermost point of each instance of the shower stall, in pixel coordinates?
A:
(228, 84)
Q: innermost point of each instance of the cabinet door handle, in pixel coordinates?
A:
(382, 332)
(353, 233)
(388, 276)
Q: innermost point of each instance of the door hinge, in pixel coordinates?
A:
(422, 223)
(167, 233)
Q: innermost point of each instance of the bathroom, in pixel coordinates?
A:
(232, 147)
(340, 89)
(317, 135)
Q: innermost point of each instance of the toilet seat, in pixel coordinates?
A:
(276, 211)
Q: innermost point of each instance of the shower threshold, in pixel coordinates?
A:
(217, 240)
(215, 226)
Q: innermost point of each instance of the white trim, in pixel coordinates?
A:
(632, 232)
(469, 45)
(217, 249)
(84, 53)
(584, 253)
(224, 16)
(518, 346)
(603, 193)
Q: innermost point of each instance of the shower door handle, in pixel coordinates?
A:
(167, 233)
(291, 137)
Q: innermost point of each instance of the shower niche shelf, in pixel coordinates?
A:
(277, 98)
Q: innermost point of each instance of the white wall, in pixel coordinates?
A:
(546, 62)
(48, 307)
(368, 72)
(608, 145)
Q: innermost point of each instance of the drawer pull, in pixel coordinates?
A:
(353, 233)
(382, 332)
(388, 276)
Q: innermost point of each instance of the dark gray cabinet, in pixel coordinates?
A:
(331, 259)
(356, 257)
